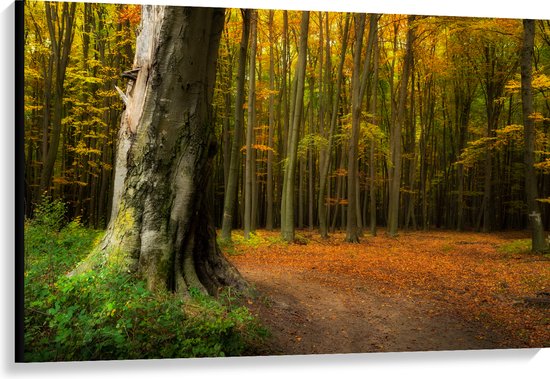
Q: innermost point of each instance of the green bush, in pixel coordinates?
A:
(109, 314)
(50, 213)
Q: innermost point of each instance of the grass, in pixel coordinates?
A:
(239, 245)
(519, 246)
(260, 238)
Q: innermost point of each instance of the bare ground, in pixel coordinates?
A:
(312, 311)
(305, 316)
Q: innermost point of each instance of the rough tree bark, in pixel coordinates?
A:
(161, 227)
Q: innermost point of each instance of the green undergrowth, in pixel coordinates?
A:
(239, 245)
(109, 314)
(519, 246)
(237, 242)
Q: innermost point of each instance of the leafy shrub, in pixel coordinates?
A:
(109, 314)
(50, 213)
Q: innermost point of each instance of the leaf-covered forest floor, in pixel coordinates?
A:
(436, 290)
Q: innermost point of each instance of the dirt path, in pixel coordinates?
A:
(305, 316)
(314, 305)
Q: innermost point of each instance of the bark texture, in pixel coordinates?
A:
(160, 225)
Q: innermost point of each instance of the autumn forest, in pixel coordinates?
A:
(322, 133)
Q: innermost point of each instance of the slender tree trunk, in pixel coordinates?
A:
(395, 180)
(311, 193)
(249, 169)
(287, 211)
(226, 140)
(234, 165)
(352, 233)
(284, 88)
(463, 108)
(301, 186)
(359, 85)
(339, 190)
(269, 185)
(322, 208)
(61, 34)
(372, 167)
(539, 243)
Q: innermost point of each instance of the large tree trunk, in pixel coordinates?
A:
(539, 244)
(161, 227)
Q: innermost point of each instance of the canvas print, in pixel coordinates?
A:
(206, 182)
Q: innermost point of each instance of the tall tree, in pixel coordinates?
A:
(352, 232)
(287, 208)
(325, 163)
(359, 85)
(61, 33)
(373, 106)
(539, 243)
(233, 180)
(250, 171)
(161, 227)
(396, 147)
(269, 185)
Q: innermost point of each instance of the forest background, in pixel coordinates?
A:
(99, 220)
(436, 139)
